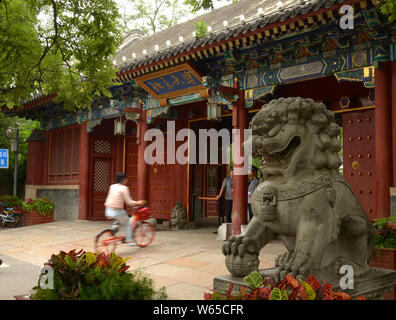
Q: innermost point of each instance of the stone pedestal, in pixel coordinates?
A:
(374, 284)
(224, 231)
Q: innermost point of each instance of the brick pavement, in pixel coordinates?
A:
(185, 262)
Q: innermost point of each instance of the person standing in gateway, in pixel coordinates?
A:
(227, 189)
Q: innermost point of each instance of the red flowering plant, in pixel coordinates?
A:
(385, 232)
(258, 288)
(43, 206)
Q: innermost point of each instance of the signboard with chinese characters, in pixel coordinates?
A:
(172, 82)
(3, 158)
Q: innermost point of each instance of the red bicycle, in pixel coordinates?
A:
(143, 232)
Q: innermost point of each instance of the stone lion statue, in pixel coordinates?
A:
(178, 216)
(302, 199)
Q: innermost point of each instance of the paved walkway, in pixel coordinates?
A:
(185, 262)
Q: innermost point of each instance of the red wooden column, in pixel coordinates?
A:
(84, 173)
(240, 182)
(142, 170)
(383, 139)
(180, 169)
(393, 106)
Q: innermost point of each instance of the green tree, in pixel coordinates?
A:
(57, 46)
(7, 175)
(152, 16)
(202, 4)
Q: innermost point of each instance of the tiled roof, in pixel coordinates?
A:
(256, 14)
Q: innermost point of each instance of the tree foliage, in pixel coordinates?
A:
(389, 9)
(203, 4)
(57, 46)
(152, 16)
(201, 29)
(7, 175)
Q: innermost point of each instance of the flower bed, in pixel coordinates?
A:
(258, 288)
(385, 248)
(37, 211)
(31, 218)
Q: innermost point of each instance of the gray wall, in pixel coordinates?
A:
(393, 205)
(65, 201)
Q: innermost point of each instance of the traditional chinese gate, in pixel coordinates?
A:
(359, 156)
(207, 178)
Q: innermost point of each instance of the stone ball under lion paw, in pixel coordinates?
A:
(240, 266)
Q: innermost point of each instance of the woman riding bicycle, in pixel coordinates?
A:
(117, 196)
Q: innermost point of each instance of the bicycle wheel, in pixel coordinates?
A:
(15, 222)
(143, 233)
(103, 242)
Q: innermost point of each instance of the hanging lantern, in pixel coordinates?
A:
(214, 109)
(119, 127)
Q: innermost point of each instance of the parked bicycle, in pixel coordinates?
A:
(143, 232)
(9, 217)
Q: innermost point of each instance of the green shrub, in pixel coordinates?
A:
(89, 276)
(43, 206)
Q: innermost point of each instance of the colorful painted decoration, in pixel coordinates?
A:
(132, 116)
(365, 75)
(256, 94)
(345, 102)
(153, 113)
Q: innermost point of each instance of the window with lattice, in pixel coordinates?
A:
(64, 155)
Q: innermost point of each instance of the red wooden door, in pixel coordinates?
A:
(161, 195)
(359, 156)
(102, 168)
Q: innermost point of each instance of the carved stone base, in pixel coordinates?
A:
(224, 231)
(373, 284)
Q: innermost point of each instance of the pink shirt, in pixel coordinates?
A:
(118, 194)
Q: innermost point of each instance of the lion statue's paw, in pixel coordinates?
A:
(241, 255)
(291, 264)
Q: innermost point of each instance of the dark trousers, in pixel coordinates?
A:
(250, 211)
(228, 204)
